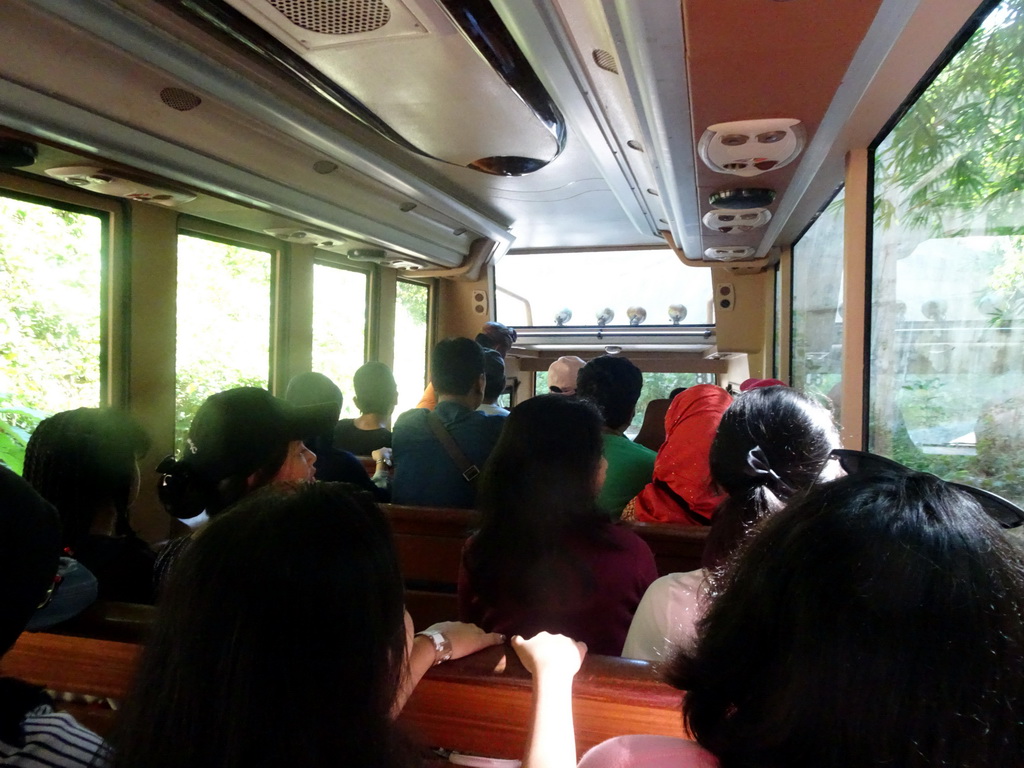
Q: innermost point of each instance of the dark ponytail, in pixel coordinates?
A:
(771, 443)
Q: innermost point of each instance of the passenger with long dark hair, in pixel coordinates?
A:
(876, 621)
(771, 443)
(85, 463)
(282, 640)
(545, 557)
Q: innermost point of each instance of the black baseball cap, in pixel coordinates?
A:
(237, 431)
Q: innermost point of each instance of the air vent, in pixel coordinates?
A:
(180, 99)
(751, 147)
(732, 222)
(606, 61)
(729, 254)
(335, 17)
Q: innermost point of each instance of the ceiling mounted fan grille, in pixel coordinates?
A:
(335, 17)
(180, 99)
(605, 61)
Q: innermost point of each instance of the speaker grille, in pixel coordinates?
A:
(606, 61)
(335, 17)
(180, 99)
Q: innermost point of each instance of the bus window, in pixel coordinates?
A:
(412, 312)
(339, 326)
(223, 323)
(657, 386)
(947, 306)
(817, 324)
(51, 276)
(588, 283)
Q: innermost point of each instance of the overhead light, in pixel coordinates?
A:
(120, 184)
(563, 317)
(733, 221)
(742, 199)
(736, 253)
(636, 315)
(605, 316)
(751, 147)
(676, 313)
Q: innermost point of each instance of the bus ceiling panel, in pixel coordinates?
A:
(48, 118)
(115, 64)
(651, 51)
(456, 87)
(798, 54)
(570, 45)
(909, 38)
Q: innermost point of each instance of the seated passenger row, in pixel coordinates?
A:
(877, 620)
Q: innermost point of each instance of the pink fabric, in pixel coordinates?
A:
(648, 752)
(749, 384)
(681, 490)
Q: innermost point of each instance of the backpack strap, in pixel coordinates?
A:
(468, 469)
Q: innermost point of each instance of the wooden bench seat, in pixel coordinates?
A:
(479, 704)
(429, 542)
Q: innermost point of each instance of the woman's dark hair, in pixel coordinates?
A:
(874, 621)
(614, 384)
(771, 443)
(311, 388)
(83, 460)
(185, 493)
(537, 488)
(279, 641)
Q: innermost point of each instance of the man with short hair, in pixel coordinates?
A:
(613, 383)
(494, 371)
(376, 396)
(438, 453)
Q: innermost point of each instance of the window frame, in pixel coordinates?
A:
(114, 271)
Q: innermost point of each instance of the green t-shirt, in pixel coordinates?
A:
(630, 467)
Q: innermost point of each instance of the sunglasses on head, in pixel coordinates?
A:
(1004, 512)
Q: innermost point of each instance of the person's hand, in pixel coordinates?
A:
(382, 456)
(466, 638)
(546, 653)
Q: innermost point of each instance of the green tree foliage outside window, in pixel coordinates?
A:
(947, 347)
(223, 327)
(411, 317)
(50, 332)
(339, 327)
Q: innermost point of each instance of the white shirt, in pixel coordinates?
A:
(492, 410)
(667, 616)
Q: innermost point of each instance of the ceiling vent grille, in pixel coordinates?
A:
(180, 99)
(606, 61)
(335, 17)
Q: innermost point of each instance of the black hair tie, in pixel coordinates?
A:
(758, 468)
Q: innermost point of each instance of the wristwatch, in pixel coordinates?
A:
(442, 645)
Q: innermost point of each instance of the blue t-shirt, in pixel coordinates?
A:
(425, 475)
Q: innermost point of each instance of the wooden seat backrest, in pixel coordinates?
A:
(478, 704)
(429, 541)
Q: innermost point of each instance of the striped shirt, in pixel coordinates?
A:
(54, 740)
